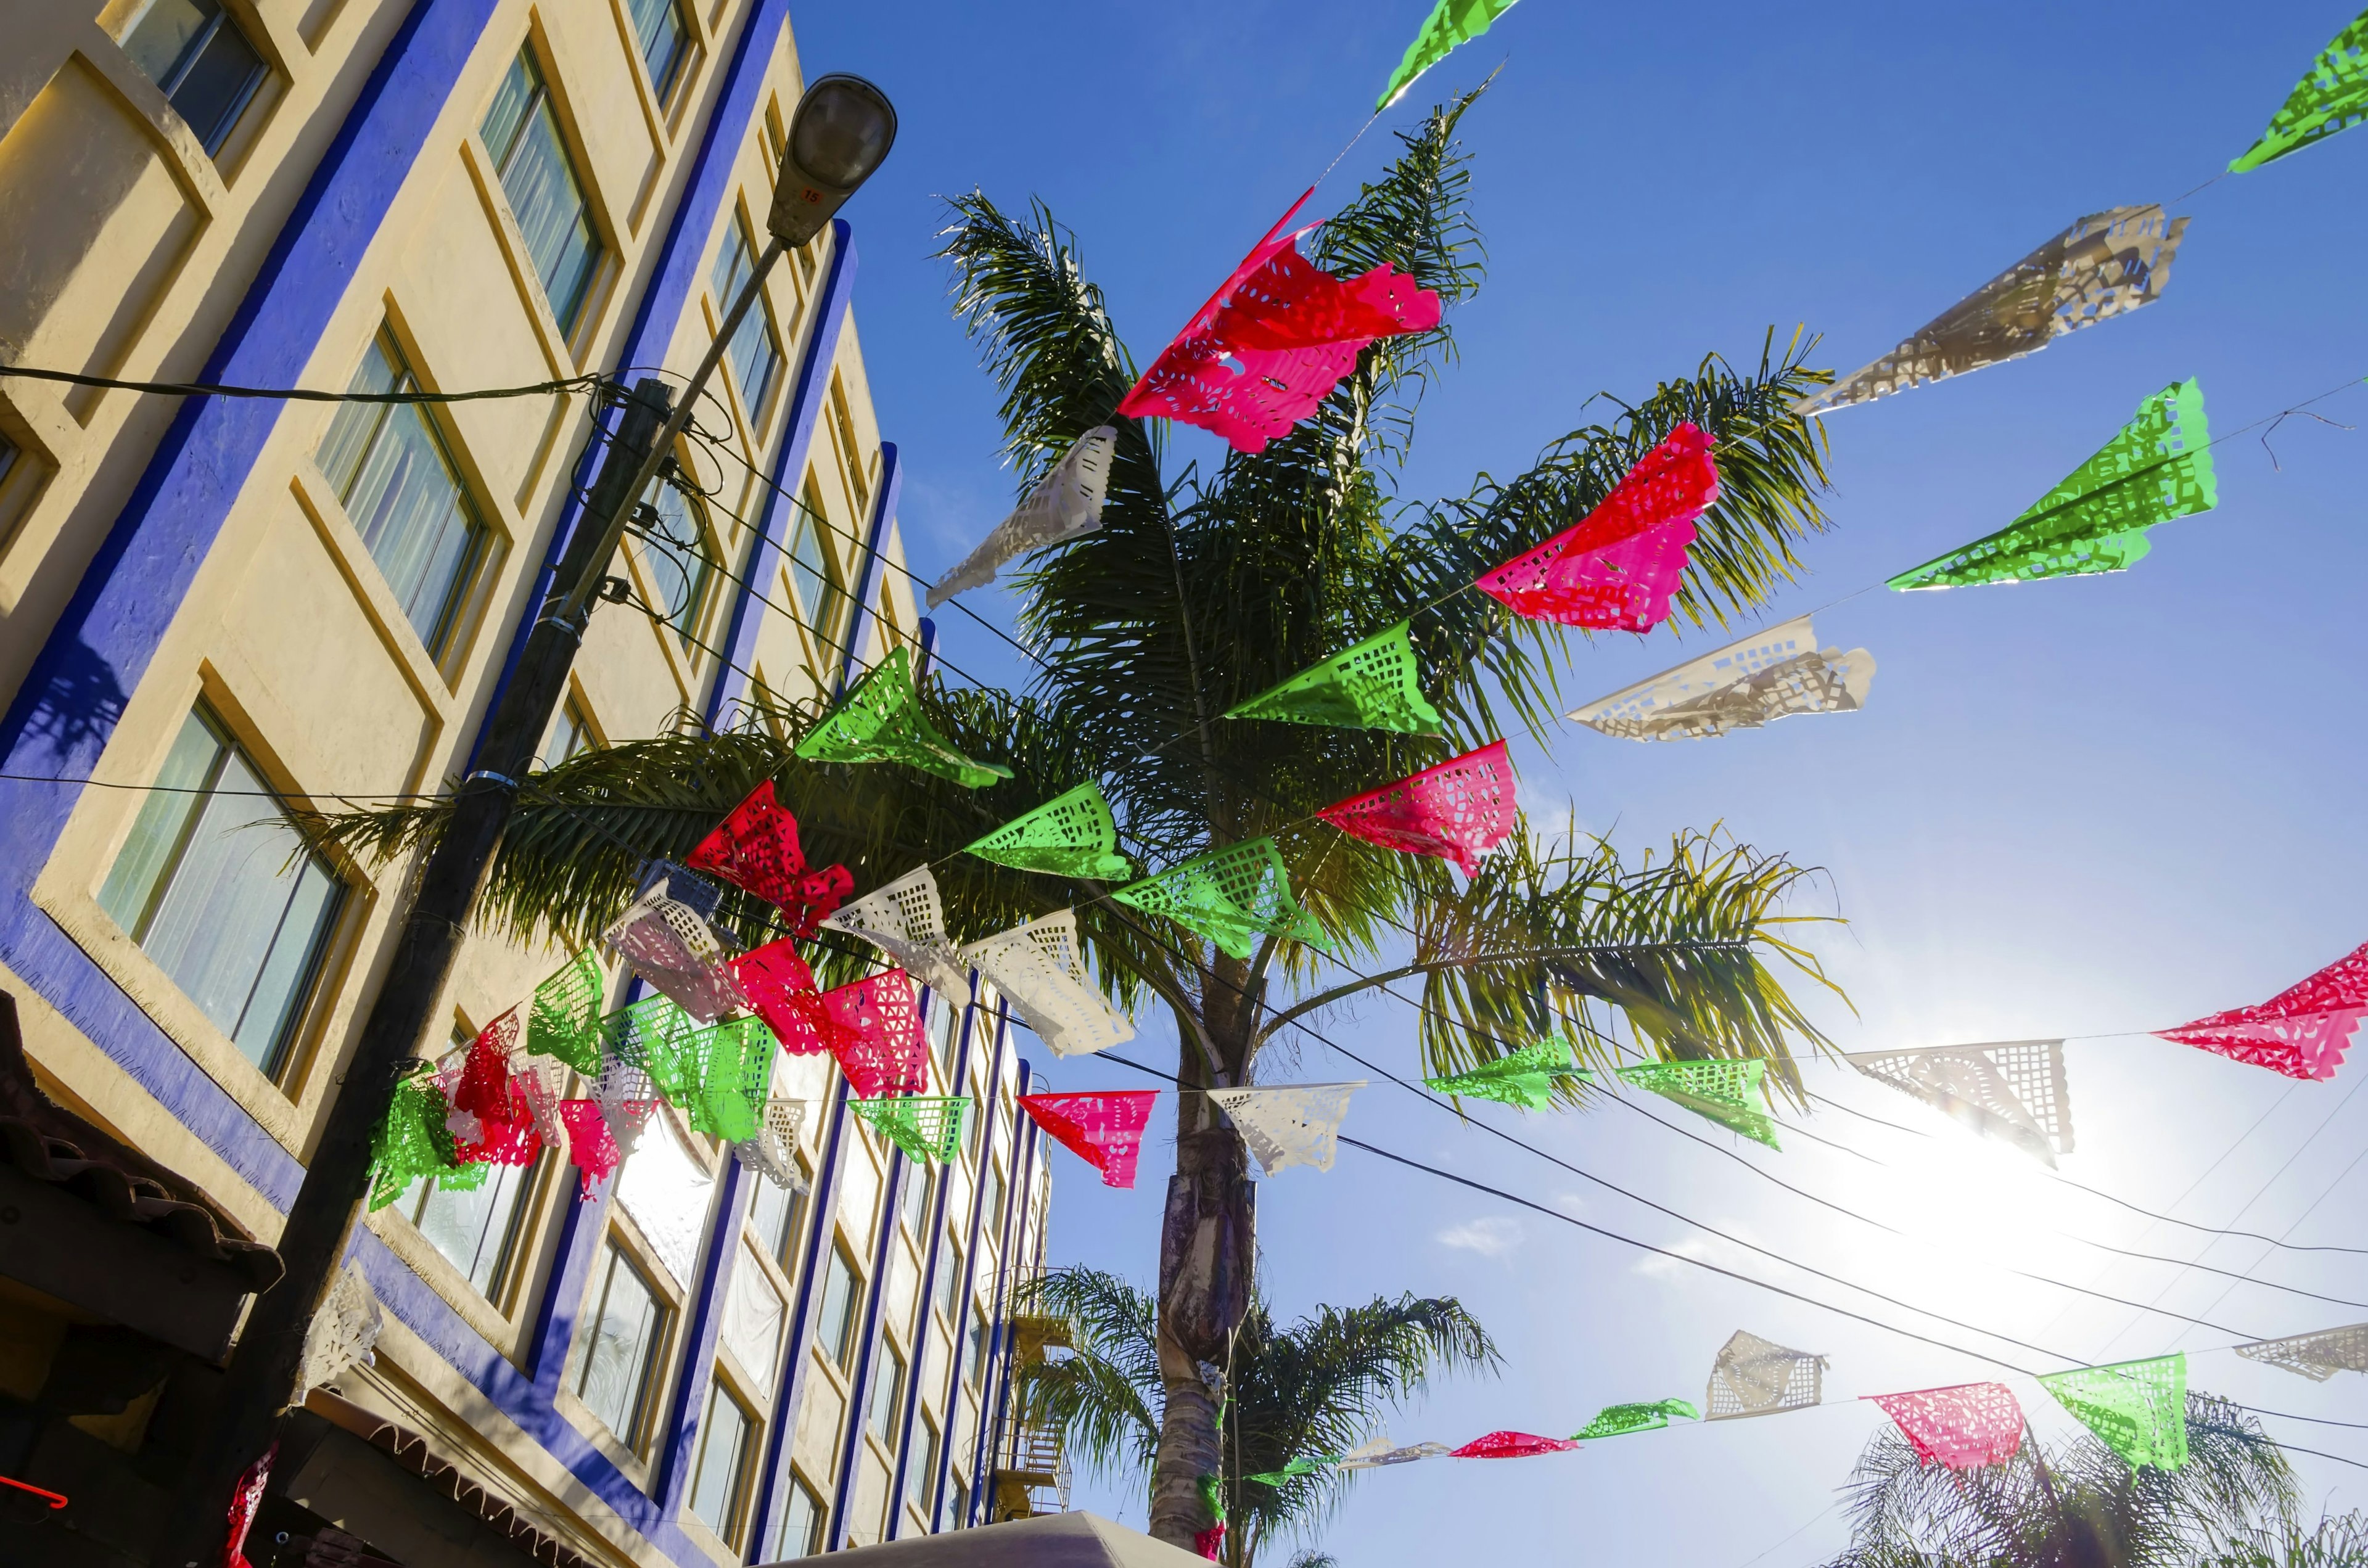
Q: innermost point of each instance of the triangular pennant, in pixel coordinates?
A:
(1233, 896)
(1511, 1445)
(1775, 675)
(1458, 810)
(1377, 684)
(1069, 835)
(627, 1099)
(505, 1133)
(1382, 1451)
(667, 944)
(1525, 1079)
(2318, 1356)
(683, 885)
(564, 1021)
(1450, 22)
(928, 1129)
(772, 1153)
(1295, 1469)
(2138, 1409)
(734, 1061)
(1274, 340)
(781, 990)
(1755, 1376)
(2012, 1090)
(1619, 1420)
(1066, 504)
(906, 920)
(2158, 468)
(590, 1144)
(2106, 265)
(1297, 1125)
(1104, 1129)
(880, 721)
(2302, 1032)
(541, 1083)
(1963, 1428)
(756, 850)
(877, 1038)
(659, 1038)
(2332, 98)
(1043, 972)
(1615, 569)
(412, 1141)
(1728, 1092)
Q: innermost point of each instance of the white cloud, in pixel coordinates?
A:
(1658, 1265)
(1489, 1238)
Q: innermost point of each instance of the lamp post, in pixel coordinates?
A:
(843, 130)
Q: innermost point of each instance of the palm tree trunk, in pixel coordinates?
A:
(1206, 1249)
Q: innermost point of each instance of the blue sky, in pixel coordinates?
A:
(2077, 808)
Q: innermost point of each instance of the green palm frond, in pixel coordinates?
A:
(1104, 1395)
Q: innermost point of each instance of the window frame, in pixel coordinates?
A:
(620, 1254)
(577, 315)
(817, 1519)
(752, 1431)
(851, 1326)
(508, 1253)
(678, 69)
(756, 410)
(810, 520)
(703, 579)
(185, 64)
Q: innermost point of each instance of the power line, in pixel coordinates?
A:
(590, 382)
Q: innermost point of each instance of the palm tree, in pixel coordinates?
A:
(2338, 1540)
(1316, 1388)
(1203, 588)
(2081, 1505)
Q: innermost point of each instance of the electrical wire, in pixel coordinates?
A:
(590, 382)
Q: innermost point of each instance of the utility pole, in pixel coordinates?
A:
(843, 128)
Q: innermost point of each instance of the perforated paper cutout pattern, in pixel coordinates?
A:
(927, 1129)
(772, 1153)
(1382, 1451)
(1377, 684)
(2012, 1090)
(344, 1333)
(1458, 810)
(2158, 468)
(1727, 1092)
(411, 1142)
(1619, 1420)
(564, 1021)
(1777, 675)
(656, 1036)
(734, 1065)
(906, 920)
(1072, 834)
(2318, 1356)
(666, 942)
(880, 721)
(1105, 1130)
(590, 1144)
(2138, 1409)
(1615, 569)
(2302, 1032)
(1755, 1377)
(1524, 1079)
(627, 1099)
(1963, 1428)
(781, 989)
(1040, 967)
(756, 850)
(1450, 22)
(541, 1083)
(2107, 264)
(1274, 341)
(1511, 1445)
(1233, 896)
(1298, 1125)
(1066, 504)
(878, 1040)
(2332, 98)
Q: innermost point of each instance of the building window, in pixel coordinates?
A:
(921, 1471)
(949, 1281)
(473, 1226)
(913, 1202)
(390, 467)
(546, 195)
(570, 737)
(887, 1396)
(945, 1028)
(197, 54)
(801, 1518)
(813, 569)
(665, 38)
(981, 1342)
(756, 352)
(7, 458)
(858, 481)
(753, 1320)
(777, 1215)
(837, 1323)
(716, 1474)
(994, 1212)
(627, 1330)
(683, 560)
(234, 911)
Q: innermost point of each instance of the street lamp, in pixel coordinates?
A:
(841, 132)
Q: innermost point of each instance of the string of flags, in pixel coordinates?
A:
(2136, 1408)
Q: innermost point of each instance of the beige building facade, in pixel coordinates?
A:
(212, 607)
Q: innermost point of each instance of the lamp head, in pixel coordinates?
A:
(841, 132)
